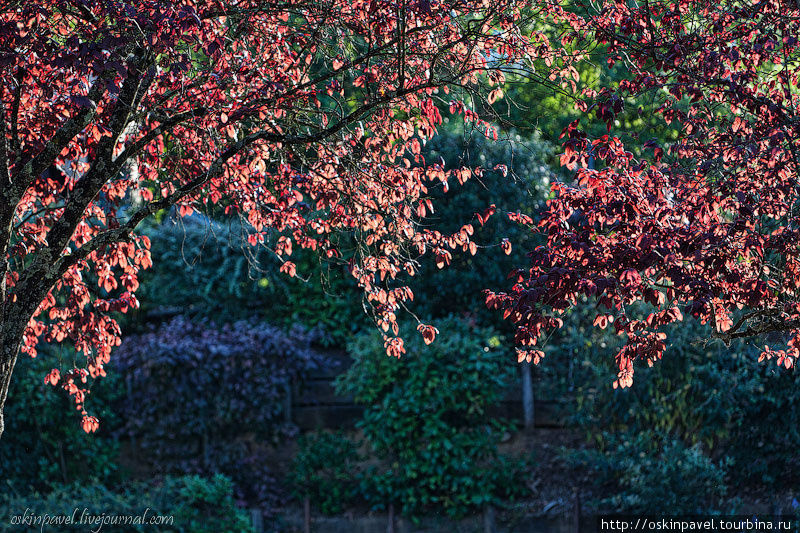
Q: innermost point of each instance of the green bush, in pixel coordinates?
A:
(700, 393)
(690, 394)
(426, 419)
(324, 471)
(204, 265)
(189, 504)
(204, 505)
(648, 474)
(43, 443)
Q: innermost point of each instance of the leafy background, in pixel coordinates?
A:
(193, 408)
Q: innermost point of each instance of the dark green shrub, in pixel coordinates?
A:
(43, 443)
(425, 417)
(190, 504)
(205, 505)
(765, 436)
(202, 269)
(646, 473)
(690, 394)
(700, 392)
(324, 470)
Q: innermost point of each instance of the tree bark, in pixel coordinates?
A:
(14, 318)
(9, 350)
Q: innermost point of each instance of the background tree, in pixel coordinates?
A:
(303, 117)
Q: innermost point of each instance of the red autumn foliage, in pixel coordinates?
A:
(428, 333)
(708, 228)
(307, 118)
(304, 118)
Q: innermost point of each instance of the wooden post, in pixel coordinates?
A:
(205, 450)
(129, 388)
(577, 510)
(307, 514)
(62, 460)
(288, 405)
(258, 523)
(488, 519)
(527, 395)
(390, 526)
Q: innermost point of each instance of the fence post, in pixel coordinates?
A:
(390, 525)
(129, 390)
(488, 519)
(307, 514)
(288, 401)
(527, 395)
(258, 523)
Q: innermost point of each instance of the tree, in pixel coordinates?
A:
(706, 227)
(304, 118)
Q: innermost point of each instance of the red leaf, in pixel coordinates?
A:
(90, 424)
(289, 268)
(428, 333)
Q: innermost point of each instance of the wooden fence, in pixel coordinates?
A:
(316, 405)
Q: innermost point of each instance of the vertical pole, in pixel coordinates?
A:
(307, 514)
(488, 519)
(288, 402)
(390, 526)
(527, 395)
(258, 523)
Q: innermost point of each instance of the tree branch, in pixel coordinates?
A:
(34, 166)
(103, 167)
(111, 236)
(15, 142)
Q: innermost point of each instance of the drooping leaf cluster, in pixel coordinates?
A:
(517, 182)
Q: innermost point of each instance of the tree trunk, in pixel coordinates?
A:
(16, 311)
(9, 349)
(13, 320)
(527, 395)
